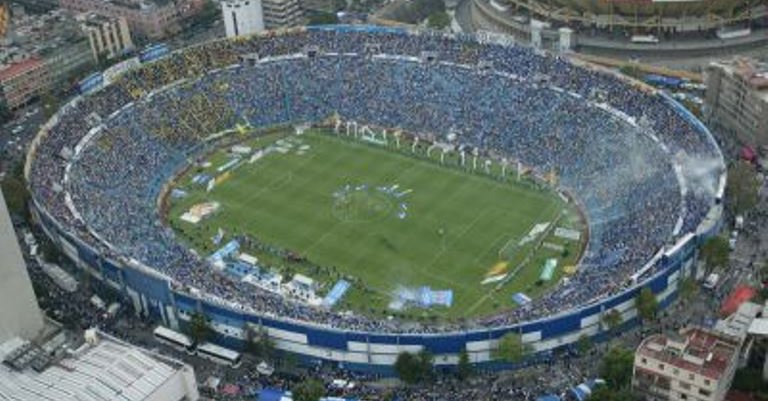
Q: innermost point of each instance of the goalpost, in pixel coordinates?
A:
(508, 249)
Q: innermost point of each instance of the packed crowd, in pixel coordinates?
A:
(542, 111)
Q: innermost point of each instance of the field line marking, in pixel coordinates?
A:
(321, 238)
(490, 294)
(461, 235)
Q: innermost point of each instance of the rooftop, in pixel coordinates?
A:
(705, 353)
(12, 70)
(39, 34)
(752, 71)
(102, 369)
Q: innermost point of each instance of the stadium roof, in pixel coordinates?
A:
(15, 69)
(106, 370)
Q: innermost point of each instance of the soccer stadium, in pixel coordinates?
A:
(358, 191)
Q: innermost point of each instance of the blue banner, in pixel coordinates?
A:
(91, 83)
(154, 52)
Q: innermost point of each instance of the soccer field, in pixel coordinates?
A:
(383, 219)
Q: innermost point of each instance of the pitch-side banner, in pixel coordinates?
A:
(115, 71)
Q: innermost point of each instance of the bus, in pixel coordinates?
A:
(174, 339)
(649, 39)
(220, 355)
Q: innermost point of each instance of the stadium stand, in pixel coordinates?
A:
(625, 152)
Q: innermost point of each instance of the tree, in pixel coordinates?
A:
(208, 14)
(50, 103)
(612, 319)
(414, 368)
(616, 368)
(764, 271)
(16, 194)
(715, 252)
(742, 189)
(199, 328)
(688, 288)
(464, 368)
(630, 69)
(439, 20)
(308, 390)
(646, 304)
(426, 363)
(511, 348)
(584, 344)
(259, 343)
(323, 19)
(407, 367)
(5, 112)
(339, 5)
(605, 393)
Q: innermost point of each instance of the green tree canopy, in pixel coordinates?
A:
(308, 390)
(646, 304)
(199, 328)
(5, 112)
(323, 19)
(584, 344)
(208, 14)
(50, 103)
(741, 192)
(688, 288)
(439, 20)
(511, 348)
(605, 393)
(616, 368)
(414, 368)
(15, 194)
(715, 252)
(464, 368)
(260, 344)
(612, 319)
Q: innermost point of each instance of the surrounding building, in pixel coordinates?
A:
(282, 13)
(151, 20)
(19, 313)
(323, 6)
(109, 37)
(22, 81)
(70, 59)
(737, 99)
(41, 52)
(242, 17)
(694, 364)
(42, 362)
(60, 368)
(5, 18)
(37, 6)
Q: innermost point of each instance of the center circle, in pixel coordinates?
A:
(361, 205)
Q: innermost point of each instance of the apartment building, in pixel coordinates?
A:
(282, 13)
(694, 364)
(108, 37)
(737, 99)
(150, 19)
(22, 81)
(242, 17)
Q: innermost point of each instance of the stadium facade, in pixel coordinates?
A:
(155, 294)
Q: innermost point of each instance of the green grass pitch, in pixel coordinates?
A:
(458, 224)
